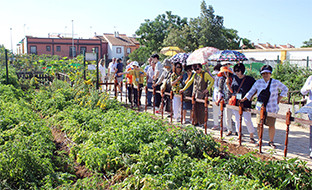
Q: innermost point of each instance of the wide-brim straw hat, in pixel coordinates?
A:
(224, 69)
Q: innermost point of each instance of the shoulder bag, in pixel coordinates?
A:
(232, 100)
(264, 96)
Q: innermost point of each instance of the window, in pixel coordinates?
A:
(96, 50)
(83, 49)
(128, 50)
(48, 48)
(72, 51)
(33, 49)
(118, 50)
(58, 48)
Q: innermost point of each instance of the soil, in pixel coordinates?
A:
(61, 143)
(241, 150)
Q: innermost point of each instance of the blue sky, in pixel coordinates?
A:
(273, 21)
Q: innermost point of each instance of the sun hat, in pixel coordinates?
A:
(224, 69)
(266, 69)
(135, 63)
(166, 62)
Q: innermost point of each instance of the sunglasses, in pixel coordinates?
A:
(179, 67)
(236, 70)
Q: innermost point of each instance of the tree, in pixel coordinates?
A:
(141, 54)
(307, 43)
(181, 38)
(153, 33)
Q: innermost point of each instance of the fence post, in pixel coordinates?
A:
(182, 98)
(240, 122)
(97, 71)
(84, 64)
(115, 87)
(162, 104)
(146, 91)
(138, 97)
(221, 120)
(193, 109)
(126, 88)
(121, 91)
(206, 113)
(278, 62)
(171, 98)
(262, 117)
(288, 115)
(307, 61)
(6, 66)
(154, 98)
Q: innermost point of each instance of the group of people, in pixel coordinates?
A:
(226, 80)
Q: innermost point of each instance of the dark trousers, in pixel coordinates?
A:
(149, 94)
(157, 96)
(136, 95)
(167, 103)
(130, 92)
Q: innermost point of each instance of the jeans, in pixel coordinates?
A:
(149, 94)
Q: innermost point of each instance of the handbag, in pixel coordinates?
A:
(232, 100)
(264, 95)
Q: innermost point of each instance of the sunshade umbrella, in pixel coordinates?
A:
(227, 55)
(180, 57)
(200, 56)
(171, 50)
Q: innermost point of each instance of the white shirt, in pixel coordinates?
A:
(276, 85)
(307, 88)
(102, 70)
(150, 73)
(112, 67)
(158, 69)
(215, 96)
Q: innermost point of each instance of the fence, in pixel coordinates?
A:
(206, 101)
(42, 77)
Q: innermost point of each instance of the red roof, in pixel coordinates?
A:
(120, 39)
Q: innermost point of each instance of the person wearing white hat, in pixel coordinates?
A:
(275, 86)
(137, 80)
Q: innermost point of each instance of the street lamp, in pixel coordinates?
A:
(11, 40)
(73, 39)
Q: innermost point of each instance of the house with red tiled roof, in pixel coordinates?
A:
(120, 45)
(269, 46)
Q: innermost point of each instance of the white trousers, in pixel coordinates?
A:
(247, 120)
(176, 106)
(227, 119)
(216, 113)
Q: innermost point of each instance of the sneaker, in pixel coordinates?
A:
(157, 111)
(196, 125)
(311, 154)
(252, 140)
(236, 134)
(187, 122)
(229, 133)
(271, 144)
(216, 127)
